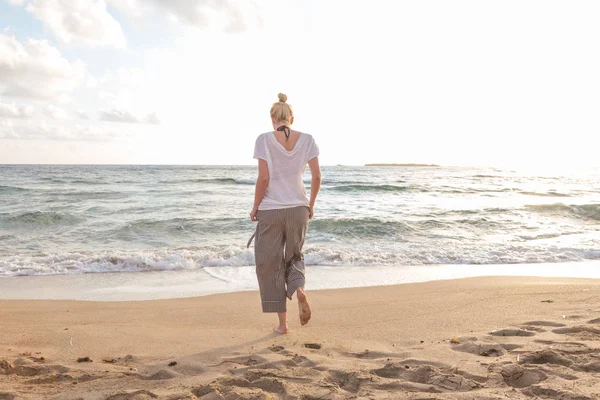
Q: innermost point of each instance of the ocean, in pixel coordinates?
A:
(88, 219)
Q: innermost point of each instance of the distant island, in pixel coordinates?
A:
(401, 165)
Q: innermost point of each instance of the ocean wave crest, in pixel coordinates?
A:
(12, 189)
(123, 261)
(231, 181)
(583, 211)
(546, 194)
(374, 188)
(194, 258)
(88, 195)
(364, 227)
(179, 226)
(39, 218)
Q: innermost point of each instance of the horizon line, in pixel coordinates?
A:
(367, 165)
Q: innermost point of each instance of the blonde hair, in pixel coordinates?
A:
(282, 111)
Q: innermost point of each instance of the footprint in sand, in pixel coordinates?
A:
(25, 367)
(260, 386)
(567, 347)
(519, 377)
(593, 366)
(374, 355)
(414, 363)
(480, 349)
(547, 393)
(137, 395)
(61, 378)
(350, 381)
(576, 329)
(427, 374)
(303, 361)
(546, 356)
(276, 349)
(581, 332)
(511, 332)
(242, 360)
(473, 345)
(583, 359)
(544, 323)
(203, 390)
(266, 384)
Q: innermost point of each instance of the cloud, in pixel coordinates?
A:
(56, 112)
(6, 130)
(10, 130)
(8, 110)
(201, 13)
(228, 15)
(35, 69)
(116, 115)
(132, 76)
(82, 114)
(43, 130)
(92, 81)
(16, 3)
(83, 21)
(152, 118)
(131, 8)
(121, 77)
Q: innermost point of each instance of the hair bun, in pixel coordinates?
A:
(282, 97)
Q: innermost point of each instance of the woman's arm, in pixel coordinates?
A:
(315, 183)
(261, 185)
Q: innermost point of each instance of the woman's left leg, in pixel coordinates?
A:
(296, 225)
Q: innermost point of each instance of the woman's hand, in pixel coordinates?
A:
(311, 212)
(253, 214)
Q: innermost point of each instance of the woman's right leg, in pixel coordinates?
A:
(270, 265)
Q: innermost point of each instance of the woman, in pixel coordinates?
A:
(282, 210)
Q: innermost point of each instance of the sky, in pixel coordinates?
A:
(482, 83)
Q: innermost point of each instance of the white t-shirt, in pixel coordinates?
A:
(286, 188)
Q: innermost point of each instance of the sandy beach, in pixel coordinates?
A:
(476, 338)
(424, 170)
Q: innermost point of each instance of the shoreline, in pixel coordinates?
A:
(153, 285)
(396, 342)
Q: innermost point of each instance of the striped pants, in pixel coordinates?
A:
(278, 255)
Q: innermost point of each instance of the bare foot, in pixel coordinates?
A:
(303, 306)
(281, 330)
